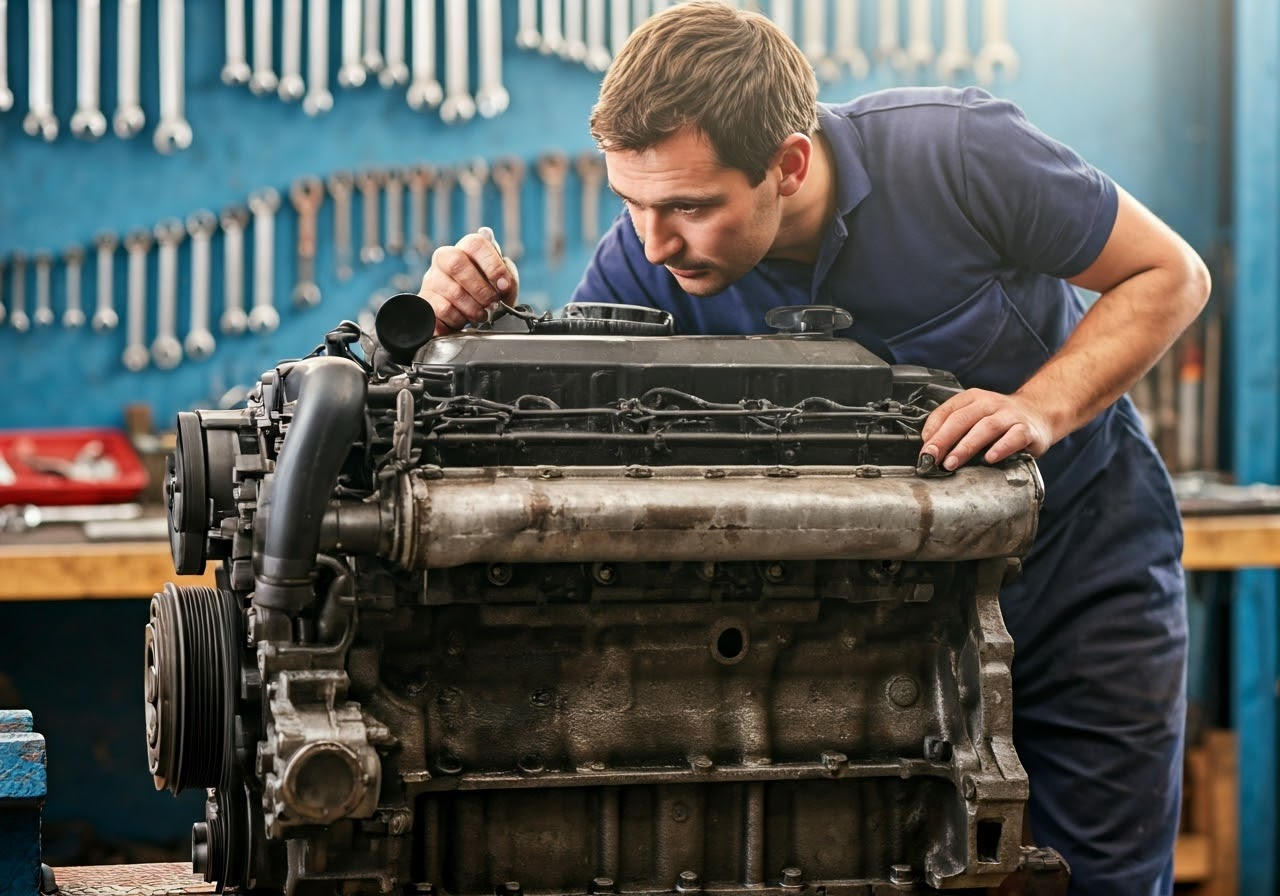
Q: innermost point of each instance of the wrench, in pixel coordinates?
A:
(815, 40)
(6, 94)
(848, 48)
(527, 35)
(394, 71)
(135, 355)
(393, 241)
(173, 131)
(263, 78)
(88, 122)
(442, 191)
(420, 178)
(457, 105)
(18, 318)
(552, 40)
(590, 167)
(291, 87)
(424, 89)
(491, 97)
(73, 315)
(781, 11)
(553, 168)
(619, 24)
(920, 33)
(234, 321)
(508, 175)
(307, 195)
(954, 56)
(372, 57)
(598, 57)
(996, 51)
(318, 99)
(129, 118)
(199, 342)
(471, 178)
(351, 73)
(639, 12)
(889, 48)
(236, 69)
(43, 314)
(263, 316)
(369, 183)
(104, 314)
(340, 184)
(575, 45)
(40, 120)
(166, 350)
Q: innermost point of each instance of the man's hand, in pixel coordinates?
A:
(961, 427)
(465, 279)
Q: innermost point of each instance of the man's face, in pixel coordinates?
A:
(705, 223)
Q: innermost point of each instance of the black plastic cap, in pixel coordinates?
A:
(405, 323)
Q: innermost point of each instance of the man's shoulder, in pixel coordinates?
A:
(914, 106)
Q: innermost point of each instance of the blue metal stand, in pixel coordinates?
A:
(23, 787)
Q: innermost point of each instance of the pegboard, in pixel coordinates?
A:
(1091, 73)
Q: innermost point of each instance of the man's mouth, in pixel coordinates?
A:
(687, 273)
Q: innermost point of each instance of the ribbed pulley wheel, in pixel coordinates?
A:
(221, 845)
(192, 666)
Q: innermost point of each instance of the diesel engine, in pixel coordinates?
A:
(572, 605)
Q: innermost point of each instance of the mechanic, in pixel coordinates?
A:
(953, 231)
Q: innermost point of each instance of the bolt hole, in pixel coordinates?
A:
(989, 840)
(729, 644)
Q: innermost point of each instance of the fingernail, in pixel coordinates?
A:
(951, 463)
(503, 284)
(925, 463)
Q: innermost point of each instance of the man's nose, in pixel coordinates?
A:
(660, 242)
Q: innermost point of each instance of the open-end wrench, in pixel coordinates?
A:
(424, 89)
(42, 314)
(136, 356)
(590, 168)
(393, 231)
(472, 176)
(848, 46)
(104, 312)
(129, 118)
(815, 40)
(598, 57)
(889, 45)
(263, 316)
(318, 99)
(369, 183)
(954, 56)
(527, 34)
(781, 11)
(508, 176)
(458, 104)
(639, 12)
(166, 350)
(172, 131)
(73, 311)
(340, 186)
(442, 206)
(291, 86)
(619, 24)
(306, 195)
(491, 96)
(40, 120)
(996, 51)
(263, 79)
(372, 56)
(419, 178)
(351, 72)
(552, 40)
(575, 44)
(553, 169)
(6, 93)
(920, 34)
(394, 71)
(200, 343)
(236, 68)
(18, 318)
(88, 122)
(234, 321)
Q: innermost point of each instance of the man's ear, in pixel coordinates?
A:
(792, 163)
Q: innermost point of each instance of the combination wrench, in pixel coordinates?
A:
(351, 72)
(527, 34)
(458, 104)
(200, 343)
(419, 178)
(394, 71)
(263, 79)
(172, 131)
(424, 88)
(18, 318)
(472, 176)
(6, 93)
(920, 34)
(491, 96)
(442, 207)
(129, 118)
(372, 56)
(291, 86)
(590, 168)
(88, 122)
(508, 176)
(104, 313)
(236, 68)
(781, 11)
(815, 40)
(553, 170)
(889, 46)
(234, 321)
(598, 56)
(551, 40)
(848, 47)
(369, 183)
(306, 195)
(340, 186)
(954, 56)
(263, 316)
(619, 24)
(73, 313)
(136, 356)
(166, 350)
(996, 51)
(318, 99)
(575, 44)
(393, 229)
(42, 316)
(40, 120)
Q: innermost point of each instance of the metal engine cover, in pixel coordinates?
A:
(556, 613)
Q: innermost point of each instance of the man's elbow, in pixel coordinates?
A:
(1195, 281)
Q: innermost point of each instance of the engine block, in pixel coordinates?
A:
(580, 610)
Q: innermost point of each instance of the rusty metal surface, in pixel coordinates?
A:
(156, 879)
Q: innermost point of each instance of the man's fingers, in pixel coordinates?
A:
(483, 253)
(1016, 439)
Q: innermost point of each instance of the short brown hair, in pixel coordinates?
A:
(733, 75)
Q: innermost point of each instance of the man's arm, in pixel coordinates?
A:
(1151, 284)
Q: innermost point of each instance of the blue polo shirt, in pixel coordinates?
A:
(956, 222)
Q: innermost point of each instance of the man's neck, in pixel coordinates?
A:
(807, 213)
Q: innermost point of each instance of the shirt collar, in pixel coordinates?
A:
(852, 182)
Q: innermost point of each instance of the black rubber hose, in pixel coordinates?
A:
(330, 395)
